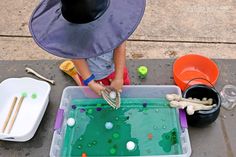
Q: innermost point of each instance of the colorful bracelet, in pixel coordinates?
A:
(86, 82)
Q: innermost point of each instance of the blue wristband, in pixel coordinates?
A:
(86, 82)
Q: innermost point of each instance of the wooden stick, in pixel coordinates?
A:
(9, 115)
(15, 114)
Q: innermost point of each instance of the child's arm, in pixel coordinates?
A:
(83, 69)
(119, 60)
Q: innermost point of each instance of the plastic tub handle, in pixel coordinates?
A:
(183, 119)
(59, 119)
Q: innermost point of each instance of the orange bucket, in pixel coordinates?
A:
(194, 69)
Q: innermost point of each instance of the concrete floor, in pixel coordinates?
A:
(169, 29)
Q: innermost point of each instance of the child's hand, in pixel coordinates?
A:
(117, 84)
(96, 87)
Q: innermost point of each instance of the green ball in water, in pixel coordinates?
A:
(90, 111)
(113, 151)
(109, 141)
(116, 135)
(99, 105)
(80, 147)
(94, 142)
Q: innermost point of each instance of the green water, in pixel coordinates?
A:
(150, 123)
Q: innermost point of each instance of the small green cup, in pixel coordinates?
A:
(142, 71)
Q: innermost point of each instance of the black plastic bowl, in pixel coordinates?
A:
(203, 118)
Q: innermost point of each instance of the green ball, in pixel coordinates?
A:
(113, 151)
(94, 142)
(142, 71)
(79, 146)
(116, 135)
(90, 111)
(99, 105)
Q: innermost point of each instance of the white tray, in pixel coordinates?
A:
(31, 111)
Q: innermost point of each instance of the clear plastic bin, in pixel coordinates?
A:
(146, 91)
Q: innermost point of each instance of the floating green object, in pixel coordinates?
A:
(142, 71)
(81, 138)
(169, 139)
(24, 94)
(113, 151)
(116, 135)
(34, 96)
(90, 111)
(109, 141)
(80, 147)
(94, 142)
(99, 105)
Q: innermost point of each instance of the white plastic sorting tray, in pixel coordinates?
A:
(31, 111)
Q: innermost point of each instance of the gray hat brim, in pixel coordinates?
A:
(59, 37)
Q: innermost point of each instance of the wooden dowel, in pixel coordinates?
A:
(15, 114)
(9, 114)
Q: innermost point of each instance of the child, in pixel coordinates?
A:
(92, 33)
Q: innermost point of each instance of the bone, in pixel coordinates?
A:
(172, 97)
(177, 104)
(29, 70)
(190, 110)
(191, 107)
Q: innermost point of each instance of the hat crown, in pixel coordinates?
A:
(83, 11)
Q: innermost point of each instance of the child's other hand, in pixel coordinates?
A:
(117, 84)
(96, 87)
